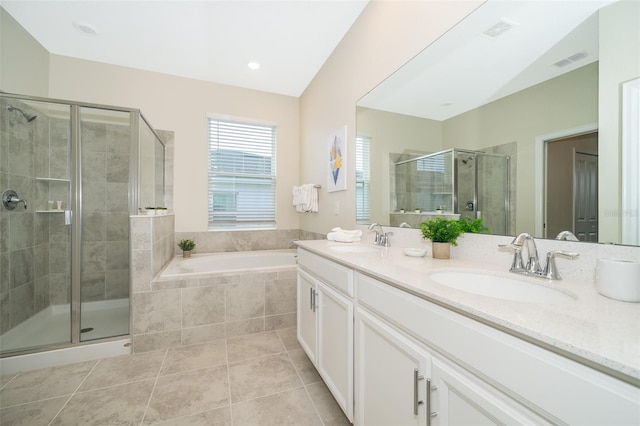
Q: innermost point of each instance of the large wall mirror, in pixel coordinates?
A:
(517, 115)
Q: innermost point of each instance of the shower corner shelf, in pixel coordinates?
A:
(49, 211)
(45, 179)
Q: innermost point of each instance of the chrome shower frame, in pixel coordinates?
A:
(76, 204)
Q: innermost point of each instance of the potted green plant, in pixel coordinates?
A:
(443, 233)
(474, 226)
(186, 246)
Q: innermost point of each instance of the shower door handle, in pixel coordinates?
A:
(68, 216)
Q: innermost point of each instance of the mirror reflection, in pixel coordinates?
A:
(507, 84)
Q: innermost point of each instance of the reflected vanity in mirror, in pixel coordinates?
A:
(508, 83)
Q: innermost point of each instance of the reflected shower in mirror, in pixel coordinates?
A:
(475, 91)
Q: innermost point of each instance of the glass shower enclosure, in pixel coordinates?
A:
(470, 183)
(71, 174)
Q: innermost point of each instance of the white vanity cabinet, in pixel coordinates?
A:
(400, 381)
(478, 375)
(325, 323)
(391, 372)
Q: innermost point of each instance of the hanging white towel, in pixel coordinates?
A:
(305, 198)
(344, 235)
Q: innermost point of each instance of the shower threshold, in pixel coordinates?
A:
(53, 325)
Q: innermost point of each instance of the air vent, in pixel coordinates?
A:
(498, 29)
(571, 59)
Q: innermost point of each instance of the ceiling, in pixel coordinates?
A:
(210, 40)
(465, 68)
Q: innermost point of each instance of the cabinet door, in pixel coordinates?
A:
(390, 375)
(307, 314)
(460, 398)
(335, 345)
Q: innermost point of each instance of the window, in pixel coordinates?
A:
(242, 175)
(363, 178)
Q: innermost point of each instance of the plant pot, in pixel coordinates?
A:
(186, 253)
(441, 250)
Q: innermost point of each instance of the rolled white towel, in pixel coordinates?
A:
(343, 237)
(355, 232)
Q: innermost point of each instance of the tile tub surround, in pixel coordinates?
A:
(596, 331)
(169, 313)
(225, 241)
(152, 242)
(199, 309)
(259, 379)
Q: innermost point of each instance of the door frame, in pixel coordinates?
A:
(539, 169)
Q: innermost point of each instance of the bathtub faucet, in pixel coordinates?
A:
(291, 242)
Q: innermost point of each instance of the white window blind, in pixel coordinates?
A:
(363, 178)
(242, 175)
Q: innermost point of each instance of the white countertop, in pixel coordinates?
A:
(594, 330)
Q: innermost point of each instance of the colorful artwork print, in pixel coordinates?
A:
(337, 161)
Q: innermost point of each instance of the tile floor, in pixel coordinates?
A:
(259, 379)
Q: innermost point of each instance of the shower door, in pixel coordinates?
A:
(493, 199)
(104, 158)
(35, 232)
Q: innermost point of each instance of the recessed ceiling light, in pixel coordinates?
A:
(254, 65)
(85, 28)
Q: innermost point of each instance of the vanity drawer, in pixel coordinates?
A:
(337, 276)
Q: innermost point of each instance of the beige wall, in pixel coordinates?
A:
(386, 35)
(24, 63)
(393, 133)
(521, 118)
(181, 105)
(619, 31)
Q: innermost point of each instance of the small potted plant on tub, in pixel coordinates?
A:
(186, 246)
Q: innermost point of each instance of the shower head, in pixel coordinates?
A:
(466, 160)
(28, 117)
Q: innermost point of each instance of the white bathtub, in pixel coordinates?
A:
(212, 263)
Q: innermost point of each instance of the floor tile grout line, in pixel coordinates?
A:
(10, 380)
(278, 392)
(37, 400)
(304, 385)
(315, 407)
(153, 389)
(226, 357)
(75, 391)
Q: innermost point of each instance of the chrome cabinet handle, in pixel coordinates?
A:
(416, 402)
(429, 413)
(311, 298)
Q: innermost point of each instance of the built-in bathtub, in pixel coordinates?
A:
(232, 262)
(214, 296)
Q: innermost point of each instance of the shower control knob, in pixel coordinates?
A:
(10, 199)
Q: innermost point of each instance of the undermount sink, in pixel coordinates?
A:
(500, 287)
(353, 249)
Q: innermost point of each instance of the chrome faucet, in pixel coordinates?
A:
(533, 264)
(381, 238)
(532, 267)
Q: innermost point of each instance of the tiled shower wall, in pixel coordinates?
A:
(34, 242)
(105, 211)
(168, 313)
